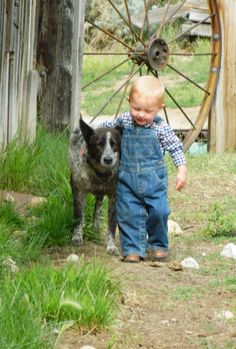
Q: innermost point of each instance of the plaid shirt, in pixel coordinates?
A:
(167, 138)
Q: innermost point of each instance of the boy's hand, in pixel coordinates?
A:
(181, 177)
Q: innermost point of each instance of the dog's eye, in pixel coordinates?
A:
(113, 144)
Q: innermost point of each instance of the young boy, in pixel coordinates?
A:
(141, 199)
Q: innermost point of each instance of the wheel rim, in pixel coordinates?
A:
(156, 53)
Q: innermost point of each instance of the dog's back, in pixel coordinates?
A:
(94, 160)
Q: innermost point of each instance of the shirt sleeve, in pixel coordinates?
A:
(171, 143)
(111, 123)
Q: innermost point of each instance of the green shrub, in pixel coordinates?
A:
(218, 223)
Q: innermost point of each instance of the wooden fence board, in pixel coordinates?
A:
(18, 103)
(223, 114)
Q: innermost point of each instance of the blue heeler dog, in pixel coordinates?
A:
(93, 159)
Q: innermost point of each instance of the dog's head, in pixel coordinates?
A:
(103, 145)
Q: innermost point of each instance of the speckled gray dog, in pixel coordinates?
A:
(94, 159)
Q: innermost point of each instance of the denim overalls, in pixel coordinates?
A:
(141, 201)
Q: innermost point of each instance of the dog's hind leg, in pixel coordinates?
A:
(97, 212)
(78, 204)
(111, 246)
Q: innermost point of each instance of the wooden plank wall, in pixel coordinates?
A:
(77, 59)
(18, 77)
(223, 113)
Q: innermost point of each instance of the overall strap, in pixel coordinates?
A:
(158, 119)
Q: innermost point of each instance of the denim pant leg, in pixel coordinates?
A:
(131, 219)
(157, 225)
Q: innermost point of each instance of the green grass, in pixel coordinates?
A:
(220, 222)
(182, 294)
(36, 300)
(14, 240)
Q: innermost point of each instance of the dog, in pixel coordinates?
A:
(93, 160)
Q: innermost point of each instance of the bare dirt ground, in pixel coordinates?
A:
(162, 305)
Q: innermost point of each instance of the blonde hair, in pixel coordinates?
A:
(149, 88)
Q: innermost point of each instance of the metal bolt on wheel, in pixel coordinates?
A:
(158, 49)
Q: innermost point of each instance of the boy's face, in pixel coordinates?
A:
(143, 111)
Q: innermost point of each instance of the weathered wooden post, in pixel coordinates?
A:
(60, 61)
(223, 114)
(77, 60)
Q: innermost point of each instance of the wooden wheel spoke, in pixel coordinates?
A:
(180, 108)
(192, 27)
(163, 20)
(192, 54)
(105, 73)
(166, 115)
(124, 92)
(170, 17)
(145, 20)
(190, 80)
(109, 34)
(129, 18)
(107, 53)
(115, 93)
(127, 23)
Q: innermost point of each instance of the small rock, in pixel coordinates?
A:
(225, 315)
(9, 198)
(72, 258)
(87, 347)
(229, 251)
(37, 200)
(174, 228)
(9, 263)
(190, 263)
(55, 331)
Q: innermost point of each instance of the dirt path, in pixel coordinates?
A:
(163, 307)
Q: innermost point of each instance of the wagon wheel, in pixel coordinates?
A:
(158, 49)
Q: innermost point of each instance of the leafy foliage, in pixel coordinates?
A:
(218, 223)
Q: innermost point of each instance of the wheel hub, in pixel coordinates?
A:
(155, 55)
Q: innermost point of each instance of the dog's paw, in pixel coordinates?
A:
(77, 239)
(111, 247)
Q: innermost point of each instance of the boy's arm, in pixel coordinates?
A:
(181, 177)
(111, 123)
(172, 144)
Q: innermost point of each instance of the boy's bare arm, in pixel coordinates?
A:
(181, 177)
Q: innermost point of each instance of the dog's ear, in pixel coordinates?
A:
(86, 130)
(119, 129)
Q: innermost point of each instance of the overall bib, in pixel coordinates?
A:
(141, 197)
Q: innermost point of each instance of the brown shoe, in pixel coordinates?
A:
(159, 255)
(132, 258)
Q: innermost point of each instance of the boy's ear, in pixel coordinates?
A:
(162, 106)
(128, 99)
(86, 130)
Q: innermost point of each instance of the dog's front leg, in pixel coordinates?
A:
(97, 212)
(111, 246)
(78, 205)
